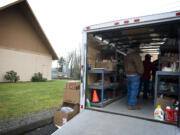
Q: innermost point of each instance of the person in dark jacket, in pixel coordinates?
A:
(134, 69)
(148, 67)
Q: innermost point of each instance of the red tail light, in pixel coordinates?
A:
(82, 106)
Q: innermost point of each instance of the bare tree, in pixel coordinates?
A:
(74, 63)
(61, 63)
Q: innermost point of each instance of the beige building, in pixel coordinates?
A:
(24, 47)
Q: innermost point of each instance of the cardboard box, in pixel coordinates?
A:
(89, 94)
(73, 85)
(58, 115)
(71, 96)
(107, 79)
(108, 65)
(170, 58)
(166, 101)
(110, 94)
(92, 78)
(92, 62)
(99, 83)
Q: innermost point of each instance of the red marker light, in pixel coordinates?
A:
(88, 28)
(116, 23)
(127, 21)
(82, 106)
(178, 13)
(137, 20)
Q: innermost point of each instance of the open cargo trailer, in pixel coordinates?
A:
(116, 36)
(158, 35)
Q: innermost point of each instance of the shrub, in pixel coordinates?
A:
(38, 77)
(12, 76)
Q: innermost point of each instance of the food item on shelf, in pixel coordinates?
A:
(176, 114)
(176, 88)
(171, 89)
(89, 66)
(167, 69)
(165, 101)
(176, 104)
(164, 86)
(159, 113)
(169, 114)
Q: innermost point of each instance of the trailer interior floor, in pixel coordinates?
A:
(120, 106)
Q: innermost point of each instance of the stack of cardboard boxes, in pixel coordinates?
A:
(165, 101)
(71, 98)
(107, 65)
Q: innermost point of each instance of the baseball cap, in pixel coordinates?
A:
(148, 56)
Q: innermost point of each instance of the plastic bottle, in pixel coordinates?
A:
(176, 114)
(159, 113)
(169, 114)
(174, 67)
(88, 103)
(177, 103)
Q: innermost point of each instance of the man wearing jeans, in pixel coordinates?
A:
(134, 69)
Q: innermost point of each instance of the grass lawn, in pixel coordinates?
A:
(17, 99)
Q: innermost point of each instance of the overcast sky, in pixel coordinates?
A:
(64, 20)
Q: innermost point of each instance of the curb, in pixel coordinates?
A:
(26, 128)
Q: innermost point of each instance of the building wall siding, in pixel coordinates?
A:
(17, 32)
(24, 63)
(21, 47)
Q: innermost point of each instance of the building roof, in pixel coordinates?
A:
(29, 13)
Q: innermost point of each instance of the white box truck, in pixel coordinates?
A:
(157, 35)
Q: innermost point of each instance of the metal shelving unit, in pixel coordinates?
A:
(100, 71)
(103, 87)
(168, 93)
(159, 75)
(106, 102)
(110, 86)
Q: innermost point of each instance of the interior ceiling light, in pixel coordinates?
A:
(105, 41)
(98, 37)
(157, 43)
(154, 35)
(112, 44)
(148, 47)
(151, 45)
(164, 39)
(156, 39)
(151, 53)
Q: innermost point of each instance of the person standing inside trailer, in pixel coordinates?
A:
(148, 67)
(134, 70)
